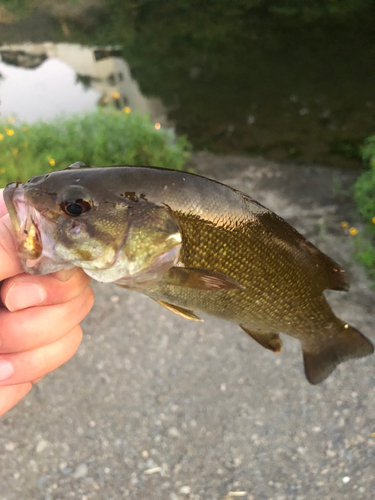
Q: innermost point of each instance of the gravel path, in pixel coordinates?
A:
(156, 407)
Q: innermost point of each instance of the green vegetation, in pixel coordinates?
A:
(104, 137)
(364, 195)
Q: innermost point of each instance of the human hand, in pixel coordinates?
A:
(39, 319)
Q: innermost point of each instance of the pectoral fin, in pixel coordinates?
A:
(201, 279)
(271, 341)
(185, 313)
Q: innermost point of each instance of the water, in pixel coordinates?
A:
(47, 80)
(235, 80)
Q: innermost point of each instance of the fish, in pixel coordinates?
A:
(193, 245)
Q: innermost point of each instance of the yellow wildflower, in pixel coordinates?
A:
(10, 131)
(1, 137)
(373, 220)
(353, 231)
(52, 162)
(127, 110)
(344, 225)
(157, 126)
(115, 95)
(2, 170)
(14, 151)
(11, 119)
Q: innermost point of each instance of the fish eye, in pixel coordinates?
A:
(75, 201)
(75, 209)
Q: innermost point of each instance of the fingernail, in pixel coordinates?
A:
(23, 295)
(6, 370)
(65, 274)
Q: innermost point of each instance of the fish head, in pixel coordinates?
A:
(63, 220)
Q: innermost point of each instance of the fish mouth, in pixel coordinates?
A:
(34, 232)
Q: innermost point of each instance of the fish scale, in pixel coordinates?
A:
(249, 262)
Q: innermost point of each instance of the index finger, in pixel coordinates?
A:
(3, 208)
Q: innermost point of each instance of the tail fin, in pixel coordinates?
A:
(348, 343)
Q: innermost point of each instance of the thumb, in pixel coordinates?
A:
(10, 264)
(3, 208)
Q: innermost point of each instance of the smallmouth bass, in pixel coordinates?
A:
(192, 244)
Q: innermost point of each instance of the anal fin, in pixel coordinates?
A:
(185, 313)
(271, 341)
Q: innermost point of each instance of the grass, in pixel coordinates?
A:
(103, 137)
(364, 195)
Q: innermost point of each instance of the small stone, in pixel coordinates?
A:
(185, 490)
(42, 445)
(115, 299)
(134, 479)
(173, 496)
(33, 465)
(41, 481)
(223, 387)
(154, 470)
(92, 423)
(81, 471)
(145, 454)
(107, 470)
(345, 479)
(66, 470)
(173, 432)
(10, 446)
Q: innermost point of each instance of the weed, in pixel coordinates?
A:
(364, 195)
(104, 137)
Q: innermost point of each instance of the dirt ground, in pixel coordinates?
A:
(156, 407)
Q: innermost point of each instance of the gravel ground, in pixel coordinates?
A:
(156, 407)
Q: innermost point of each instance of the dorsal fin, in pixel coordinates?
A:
(329, 276)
